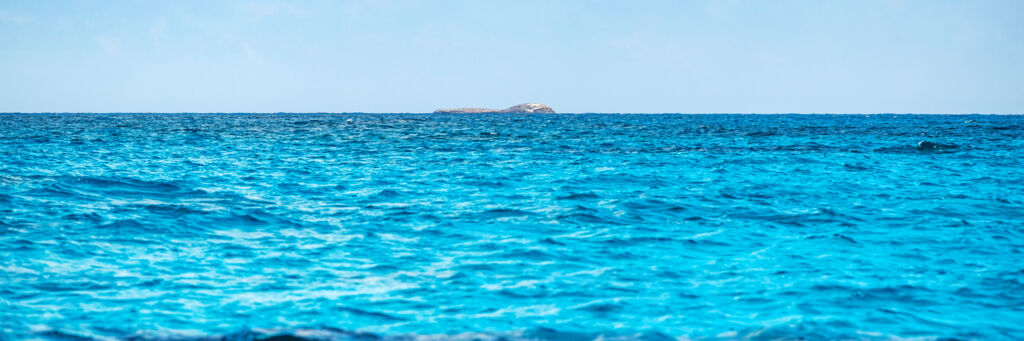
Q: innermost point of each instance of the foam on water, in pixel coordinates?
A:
(567, 227)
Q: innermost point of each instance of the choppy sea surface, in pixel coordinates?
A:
(505, 226)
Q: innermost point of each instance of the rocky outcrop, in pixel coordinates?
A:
(525, 108)
(530, 108)
(929, 146)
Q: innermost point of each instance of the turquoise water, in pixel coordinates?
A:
(560, 227)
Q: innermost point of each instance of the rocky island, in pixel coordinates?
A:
(525, 108)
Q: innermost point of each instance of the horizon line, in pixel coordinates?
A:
(471, 114)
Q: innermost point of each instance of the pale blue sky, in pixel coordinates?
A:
(848, 56)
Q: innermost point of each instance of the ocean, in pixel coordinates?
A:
(511, 226)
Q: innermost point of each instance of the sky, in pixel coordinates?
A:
(731, 56)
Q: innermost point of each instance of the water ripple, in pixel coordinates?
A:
(510, 227)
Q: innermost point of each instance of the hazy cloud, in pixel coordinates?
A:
(11, 17)
(251, 53)
(110, 45)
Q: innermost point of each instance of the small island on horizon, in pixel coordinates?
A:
(525, 108)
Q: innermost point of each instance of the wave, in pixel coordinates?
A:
(125, 183)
